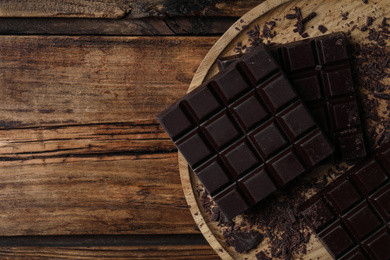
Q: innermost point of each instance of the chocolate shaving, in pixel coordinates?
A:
(300, 25)
(271, 23)
(291, 16)
(369, 21)
(384, 22)
(322, 28)
(309, 17)
(344, 15)
(243, 241)
(382, 96)
(262, 256)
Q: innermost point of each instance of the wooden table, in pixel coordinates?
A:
(86, 171)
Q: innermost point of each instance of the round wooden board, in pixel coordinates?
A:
(328, 14)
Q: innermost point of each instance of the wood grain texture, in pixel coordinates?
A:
(50, 81)
(101, 194)
(171, 8)
(193, 25)
(120, 252)
(124, 8)
(80, 150)
(66, 8)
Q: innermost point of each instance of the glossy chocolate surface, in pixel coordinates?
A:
(245, 132)
(320, 72)
(352, 214)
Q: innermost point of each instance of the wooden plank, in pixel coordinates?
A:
(139, 252)
(103, 240)
(80, 150)
(57, 80)
(198, 25)
(162, 8)
(108, 195)
(72, 142)
(121, 8)
(105, 179)
(66, 8)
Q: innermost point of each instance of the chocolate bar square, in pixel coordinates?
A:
(252, 136)
(353, 212)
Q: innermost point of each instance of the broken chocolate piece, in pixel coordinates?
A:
(354, 210)
(244, 241)
(321, 73)
(322, 28)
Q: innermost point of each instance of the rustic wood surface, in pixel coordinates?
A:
(86, 172)
(124, 8)
(329, 14)
(189, 252)
(80, 150)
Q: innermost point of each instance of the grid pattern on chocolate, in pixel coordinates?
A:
(351, 215)
(245, 133)
(320, 71)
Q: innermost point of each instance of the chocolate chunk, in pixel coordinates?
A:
(309, 17)
(262, 256)
(369, 21)
(352, 212)
(291, 16)
(384, 22)
(344, 15)
(245, 132)
(244, 241)
(321, 74)
(322, 28)
(305, 35)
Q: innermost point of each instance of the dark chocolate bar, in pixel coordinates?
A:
(351, 215)
(320, 71)
(245, 132)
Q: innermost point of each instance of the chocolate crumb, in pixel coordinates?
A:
(384, 23)
(364, 28)
(271, 23)
(243, 241)
(369, 21)
(344, 15)
(262, 256)
(300, 25)
(291, 16)
(322, 28)
(215, 214)
(365, 1)
(382, 96)
(196, 228)
(309, 17)
(305, 35)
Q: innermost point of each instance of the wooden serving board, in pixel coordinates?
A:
(329, 13)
